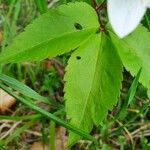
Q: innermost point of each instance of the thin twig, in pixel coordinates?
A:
(101, 7)
(97, 9)
(10, 130)
(140, 129)
(94, 3)
(34, 133)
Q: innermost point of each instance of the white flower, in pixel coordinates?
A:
(125, 15)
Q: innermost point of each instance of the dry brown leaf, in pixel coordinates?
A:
(60, 139)
(39, 146)
(6, 101)
(47, 64)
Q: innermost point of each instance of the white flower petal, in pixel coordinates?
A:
(125, 15)
(147, 3)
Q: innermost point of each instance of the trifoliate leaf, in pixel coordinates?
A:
(93, 79)
(53, 33)
(134, 51)
(125, 15)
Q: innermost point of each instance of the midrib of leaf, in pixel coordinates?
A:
(57, 37)
(95, 98)
(51, 39)
(100, 61)
(92, 83)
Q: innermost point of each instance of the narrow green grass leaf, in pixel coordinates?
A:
(42, 6)
(129, 97)
(52, 135)
(53, 33)
(48, 115)
(18, 118)
(132, 90)
(2, 148)
(22, 88)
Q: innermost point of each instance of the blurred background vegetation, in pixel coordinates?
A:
(23, 129)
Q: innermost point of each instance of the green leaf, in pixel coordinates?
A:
(134, 51)
(93, 81)
(53, 33)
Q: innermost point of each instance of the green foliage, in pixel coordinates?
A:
(46, 114)
(89, 82)
(134, 52)
(94, 72)
(53, 33)
(42, 6)
(129, 97)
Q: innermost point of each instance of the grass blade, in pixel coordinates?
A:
(2, 148)
(52, 135)
(18, 118)
(42, 6)
(22, 88)
(130, 96)
(49, 115)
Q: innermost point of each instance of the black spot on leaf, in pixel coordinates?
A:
(78, 57)
(78, 26)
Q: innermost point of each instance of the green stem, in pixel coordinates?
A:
(52, 135)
